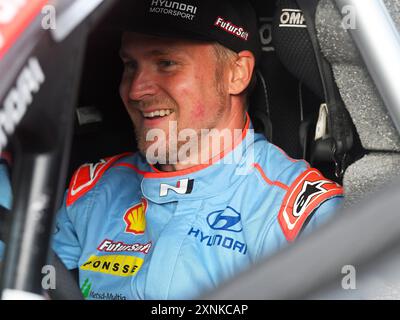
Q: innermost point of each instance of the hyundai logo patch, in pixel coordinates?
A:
(228, 220)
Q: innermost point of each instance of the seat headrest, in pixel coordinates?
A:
(294, 47)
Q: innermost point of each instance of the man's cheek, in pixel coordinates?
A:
(198, 113)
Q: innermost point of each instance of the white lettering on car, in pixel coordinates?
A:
(19, 98)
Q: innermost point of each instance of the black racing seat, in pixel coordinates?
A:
(281, 86)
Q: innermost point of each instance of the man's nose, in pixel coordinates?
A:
(142, 86)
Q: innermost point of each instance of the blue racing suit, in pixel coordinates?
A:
(137, 233)
(5, 186)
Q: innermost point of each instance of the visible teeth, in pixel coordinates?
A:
(158, 113)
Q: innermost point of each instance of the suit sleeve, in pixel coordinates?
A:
(276, 240)
(310, 200)
(72, 218)
(5, 187)
(65, 239)
(303, 198)
(322, 215)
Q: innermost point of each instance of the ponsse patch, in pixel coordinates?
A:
(116, 265)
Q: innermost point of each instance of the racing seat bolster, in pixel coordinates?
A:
(374, 126)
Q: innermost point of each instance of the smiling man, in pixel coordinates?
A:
(161, 84)
(138, 227)
(165, 82)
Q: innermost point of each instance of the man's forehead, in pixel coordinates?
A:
(155, 44)
(133, 40)
(128, 37)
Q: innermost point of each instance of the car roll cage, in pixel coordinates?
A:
(42, 140)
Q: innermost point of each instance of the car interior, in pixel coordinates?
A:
(314, 97)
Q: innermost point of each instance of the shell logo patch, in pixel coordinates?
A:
(305, 195)
(135, 218)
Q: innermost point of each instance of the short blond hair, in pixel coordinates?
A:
(224, 54)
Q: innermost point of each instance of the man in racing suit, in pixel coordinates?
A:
(143, 229)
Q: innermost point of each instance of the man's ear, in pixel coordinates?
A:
(241, 72)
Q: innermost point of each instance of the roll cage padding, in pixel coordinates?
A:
(41, 80)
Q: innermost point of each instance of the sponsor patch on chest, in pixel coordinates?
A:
(135, 218)
(116, 265)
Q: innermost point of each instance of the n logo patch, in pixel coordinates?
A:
(305, 195)
(184, 186)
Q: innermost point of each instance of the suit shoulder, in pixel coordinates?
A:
(304, 188)
(276, 167)
(87, 176)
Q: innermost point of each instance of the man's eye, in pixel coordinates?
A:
(166, 63)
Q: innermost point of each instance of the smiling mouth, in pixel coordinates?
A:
(157, 114)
